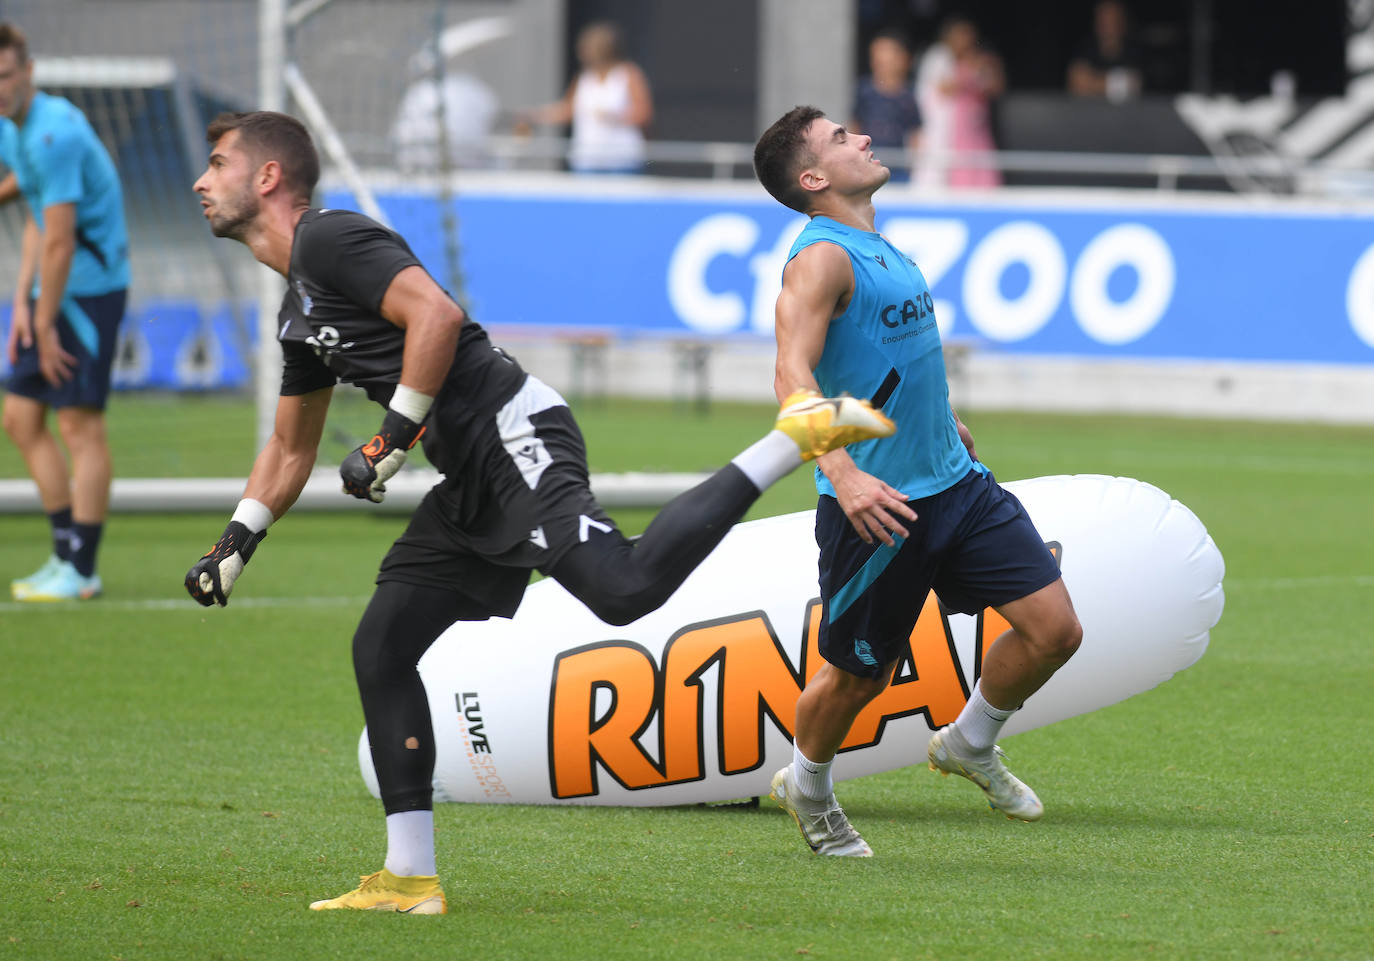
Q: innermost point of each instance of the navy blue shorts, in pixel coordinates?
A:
(974, 544)
(88, 328)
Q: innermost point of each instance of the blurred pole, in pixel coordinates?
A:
(448, 212)
(271, 96)
(807, 57)
(1201, 80)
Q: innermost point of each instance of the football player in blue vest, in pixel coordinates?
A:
(898, 519)
(68, 303)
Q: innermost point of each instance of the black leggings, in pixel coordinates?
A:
(618, 579)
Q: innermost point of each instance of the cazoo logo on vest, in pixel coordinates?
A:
(757, 682)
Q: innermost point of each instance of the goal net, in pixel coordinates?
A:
(149, 93)
(149, 74)
(397, 93)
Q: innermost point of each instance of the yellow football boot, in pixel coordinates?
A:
(385, 891)
(819, 424)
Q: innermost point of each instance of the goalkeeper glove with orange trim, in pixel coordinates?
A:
(213, 576)
(366, 470)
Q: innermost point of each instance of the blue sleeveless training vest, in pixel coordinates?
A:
(886, 347)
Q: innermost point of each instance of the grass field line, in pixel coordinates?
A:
(175, 604)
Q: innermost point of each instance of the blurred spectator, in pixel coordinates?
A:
(468, 111)
(1107, 63)
(608, 104)
(954, 85)
(885, 105)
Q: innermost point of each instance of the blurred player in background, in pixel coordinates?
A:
(884, 103)
(1108, 63)
(360, 308)
(898, 519)
(68, 302)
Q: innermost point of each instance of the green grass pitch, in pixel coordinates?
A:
(178, 783)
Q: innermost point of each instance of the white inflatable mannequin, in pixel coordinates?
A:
(695, 701)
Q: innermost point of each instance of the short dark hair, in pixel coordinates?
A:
(893, 33)
(268, 135)
(782, 153)
(12, 38)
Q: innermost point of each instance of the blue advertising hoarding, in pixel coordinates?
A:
(1022, 273)
(168, 344)
(1102, 279)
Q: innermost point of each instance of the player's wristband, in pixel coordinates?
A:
(366, 470)
(410, 403)
(253, 514)
(236, 539)
(397, 432)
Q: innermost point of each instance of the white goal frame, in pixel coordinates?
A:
(279, 77)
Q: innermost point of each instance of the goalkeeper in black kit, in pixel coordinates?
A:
(514, 497)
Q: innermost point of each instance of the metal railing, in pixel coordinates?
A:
(721, 160)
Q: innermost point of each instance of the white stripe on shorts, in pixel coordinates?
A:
(517, 432)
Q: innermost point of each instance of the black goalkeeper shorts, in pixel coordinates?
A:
(515, 499)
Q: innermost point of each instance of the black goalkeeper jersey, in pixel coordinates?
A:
(331, 328)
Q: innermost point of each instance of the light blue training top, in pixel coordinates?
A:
(886, 347)
(57, 159)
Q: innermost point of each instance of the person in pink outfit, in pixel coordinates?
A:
(955, 84)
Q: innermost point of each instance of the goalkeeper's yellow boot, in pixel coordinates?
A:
(385, 891)
(819, 424)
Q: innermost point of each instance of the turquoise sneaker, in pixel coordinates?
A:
(64, 584)
(23, 585)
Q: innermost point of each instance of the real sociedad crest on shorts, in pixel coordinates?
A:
(696, 701)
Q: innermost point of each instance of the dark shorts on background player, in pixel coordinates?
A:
(88, 328)
(517, 499)
(973, 544)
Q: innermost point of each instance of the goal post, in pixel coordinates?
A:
(271, 96)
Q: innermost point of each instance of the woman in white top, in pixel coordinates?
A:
(608, 104)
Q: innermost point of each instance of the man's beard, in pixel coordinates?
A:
(233, 221)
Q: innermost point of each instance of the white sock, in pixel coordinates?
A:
(769, 460)
(979, 722)
(410, 844)
(813, 779)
